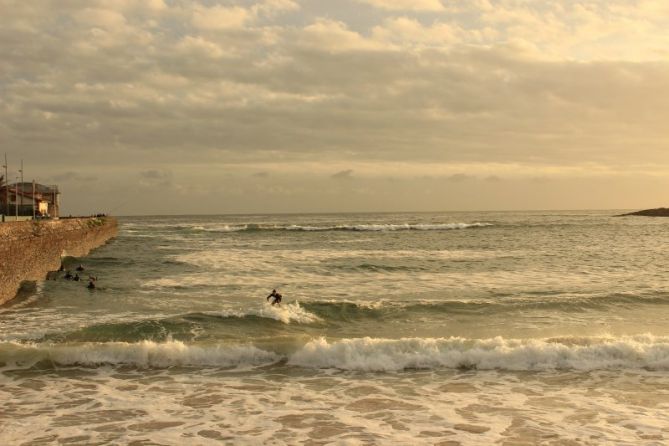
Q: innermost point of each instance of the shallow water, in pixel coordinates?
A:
(459, 328)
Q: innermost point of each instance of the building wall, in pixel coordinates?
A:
(30, 249)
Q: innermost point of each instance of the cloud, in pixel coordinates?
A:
(406, 5)
(220, 17)
(343, 175)
(156, 178)
(486, 87)
(273, 7)
(334, 36)
(459, 178)
(73, 176)
(404, 31)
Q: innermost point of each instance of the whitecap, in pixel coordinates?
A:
(369, 354)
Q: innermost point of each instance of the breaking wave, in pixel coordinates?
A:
(323, 228)
(285, 313)
(368, 354)
(144, 354)
(363, 354)
(391, 227)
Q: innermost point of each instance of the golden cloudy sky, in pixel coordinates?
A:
(174, 106)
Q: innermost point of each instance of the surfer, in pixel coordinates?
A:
(68, 275)
(80, 267)
(276, 296)
(91, 285)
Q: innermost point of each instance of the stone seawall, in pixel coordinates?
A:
(30, 249)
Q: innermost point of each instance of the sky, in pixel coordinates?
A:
(213, 107)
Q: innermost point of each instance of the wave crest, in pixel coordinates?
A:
(368, 354)
(363, 227)
(363, 354)
(144, 354)
(285, 313)
(391, 227)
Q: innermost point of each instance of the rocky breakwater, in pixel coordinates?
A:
(30, 249)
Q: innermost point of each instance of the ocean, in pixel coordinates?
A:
(510, 328)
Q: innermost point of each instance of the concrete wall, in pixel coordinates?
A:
(29, 250)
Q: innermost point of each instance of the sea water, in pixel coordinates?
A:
(448, 328)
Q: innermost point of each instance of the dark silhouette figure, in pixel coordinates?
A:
(68, 275)
(76, 277)
(276, 296)
(91, 285)
(80, 267)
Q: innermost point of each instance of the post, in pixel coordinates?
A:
(57, 202)
(54, 193)
(22, 189)
(33, 199)
(16, 199)
(6, 210)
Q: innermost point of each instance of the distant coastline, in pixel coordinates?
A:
(657, 212)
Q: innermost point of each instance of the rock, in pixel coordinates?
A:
(658, 212)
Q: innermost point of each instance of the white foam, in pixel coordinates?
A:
(285, 313)
(140, 354)
(227, 227)
(222, 228)
(391, 227)
(368, 354)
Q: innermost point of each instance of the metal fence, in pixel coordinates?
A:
(22, 210)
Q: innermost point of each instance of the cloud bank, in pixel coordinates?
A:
(199, 97)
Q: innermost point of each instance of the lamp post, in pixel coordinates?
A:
(33, 199)
(22, 189)
(6, 209)
(16, 198)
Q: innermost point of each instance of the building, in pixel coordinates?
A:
(26, 199)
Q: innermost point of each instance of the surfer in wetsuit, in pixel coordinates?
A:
(276, 296)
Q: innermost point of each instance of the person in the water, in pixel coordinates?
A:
(276, 296)
(91, 285)
(80, 267)
(68, 275)
(76, 277)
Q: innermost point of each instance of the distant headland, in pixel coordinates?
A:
(658, 212)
